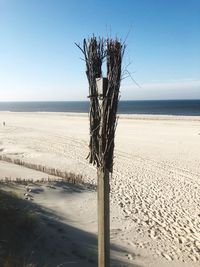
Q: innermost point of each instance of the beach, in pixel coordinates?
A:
(155, 192)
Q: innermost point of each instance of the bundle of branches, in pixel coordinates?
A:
(114, 53)
(94, 54)
(103, 110)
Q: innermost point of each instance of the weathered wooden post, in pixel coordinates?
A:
(103, 186)
(103, 95)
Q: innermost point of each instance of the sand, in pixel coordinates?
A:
(155, 210)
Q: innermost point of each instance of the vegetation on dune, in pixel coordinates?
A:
(18, 227)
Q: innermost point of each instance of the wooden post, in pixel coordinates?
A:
(103, 188)
(103, 191)
(104, 97)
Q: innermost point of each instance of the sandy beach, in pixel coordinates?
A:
(155, 192)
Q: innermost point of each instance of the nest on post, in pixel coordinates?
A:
(103, 109)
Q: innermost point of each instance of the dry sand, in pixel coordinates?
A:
(155, 209)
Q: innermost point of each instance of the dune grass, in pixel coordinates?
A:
(17, 228)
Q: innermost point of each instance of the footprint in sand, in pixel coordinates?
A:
(130, 256)
(166, 256)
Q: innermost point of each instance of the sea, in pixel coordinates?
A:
(151, 107)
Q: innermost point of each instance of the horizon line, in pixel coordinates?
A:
(124, 100)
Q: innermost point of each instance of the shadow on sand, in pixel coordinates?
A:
(52, 243)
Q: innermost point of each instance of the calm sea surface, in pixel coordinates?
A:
(165, 107)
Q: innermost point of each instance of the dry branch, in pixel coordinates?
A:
(102, 131)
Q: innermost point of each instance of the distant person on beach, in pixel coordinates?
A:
(4, 124)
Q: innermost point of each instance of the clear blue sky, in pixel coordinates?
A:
(39, 61)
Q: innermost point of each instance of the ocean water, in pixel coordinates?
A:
(160, 107)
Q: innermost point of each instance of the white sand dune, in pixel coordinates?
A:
(155, 210)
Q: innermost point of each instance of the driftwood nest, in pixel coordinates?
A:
(103, 108)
